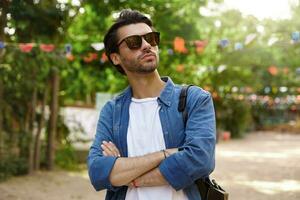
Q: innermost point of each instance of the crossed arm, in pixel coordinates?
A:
(143, 170)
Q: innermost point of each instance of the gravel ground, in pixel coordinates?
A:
(262, 166)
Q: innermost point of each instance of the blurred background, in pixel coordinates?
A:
(55, 78)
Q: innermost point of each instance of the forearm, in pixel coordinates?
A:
(127, 169)
(151, 178)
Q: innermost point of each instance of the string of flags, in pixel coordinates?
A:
(274, 71)
(179, 46)
(90, 57)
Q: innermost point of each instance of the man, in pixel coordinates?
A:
(142, 148)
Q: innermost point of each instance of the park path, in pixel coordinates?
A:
(262, 166)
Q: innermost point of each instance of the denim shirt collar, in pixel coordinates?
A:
(165, 95)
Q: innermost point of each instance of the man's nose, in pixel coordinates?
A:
(145, 44)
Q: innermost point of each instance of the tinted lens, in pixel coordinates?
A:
(134, 42)
(152, 38)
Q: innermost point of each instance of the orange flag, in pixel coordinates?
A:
(90, 57)
(273, 70)
(180, 68)
(70, 57)
(179, 45)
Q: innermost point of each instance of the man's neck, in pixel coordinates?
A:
(146, 85)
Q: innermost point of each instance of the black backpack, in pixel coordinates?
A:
(209, 189)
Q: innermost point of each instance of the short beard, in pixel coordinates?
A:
(146, 70)
(141, 69)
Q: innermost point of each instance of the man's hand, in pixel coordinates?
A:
(154, 176)
(110, 149)
(149, 178)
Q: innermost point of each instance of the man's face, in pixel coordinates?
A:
(142, 60)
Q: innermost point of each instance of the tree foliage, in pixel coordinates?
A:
(225, 71)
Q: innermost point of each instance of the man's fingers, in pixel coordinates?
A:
(112, 148)
(106, 150)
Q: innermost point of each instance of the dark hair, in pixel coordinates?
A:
(126, 17)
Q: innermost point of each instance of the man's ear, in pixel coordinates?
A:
(115, 58)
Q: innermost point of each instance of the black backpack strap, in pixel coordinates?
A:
(205, 185)
(182, 102)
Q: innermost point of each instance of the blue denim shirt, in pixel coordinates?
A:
(196, 158)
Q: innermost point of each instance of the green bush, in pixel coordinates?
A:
(12, 166)
(265, 115)
(66, 158)
(234, 115)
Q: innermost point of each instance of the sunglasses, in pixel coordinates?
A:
(135, 41)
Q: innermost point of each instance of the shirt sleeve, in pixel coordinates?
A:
(100, 166)
(197, 157)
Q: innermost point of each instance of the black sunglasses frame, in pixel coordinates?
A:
(154, 40)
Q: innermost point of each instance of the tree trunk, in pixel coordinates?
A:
(1, 119)
(3, 17)
(14, 140)
(53, 119)
(37, 145)
(31, 130)
(88, 99)
(3, 20)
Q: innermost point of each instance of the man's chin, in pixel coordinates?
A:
(147, 69)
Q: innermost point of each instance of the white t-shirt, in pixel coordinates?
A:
(145, 136)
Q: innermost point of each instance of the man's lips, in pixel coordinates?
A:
(148, 55)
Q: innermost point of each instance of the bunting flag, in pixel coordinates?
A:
(68, 48)
(272, 41)
(70, 57)
(238, 46)
(273, 70)
(104, 58)
(47, 47)
(180, 68)
(296, 36)
(91, 57)
(250, 38)
(200, 46)
(2, 45)
(179, 45)
(98, 46)
(223, 43)
(298, 70)
(26, 48)
(170, 52)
